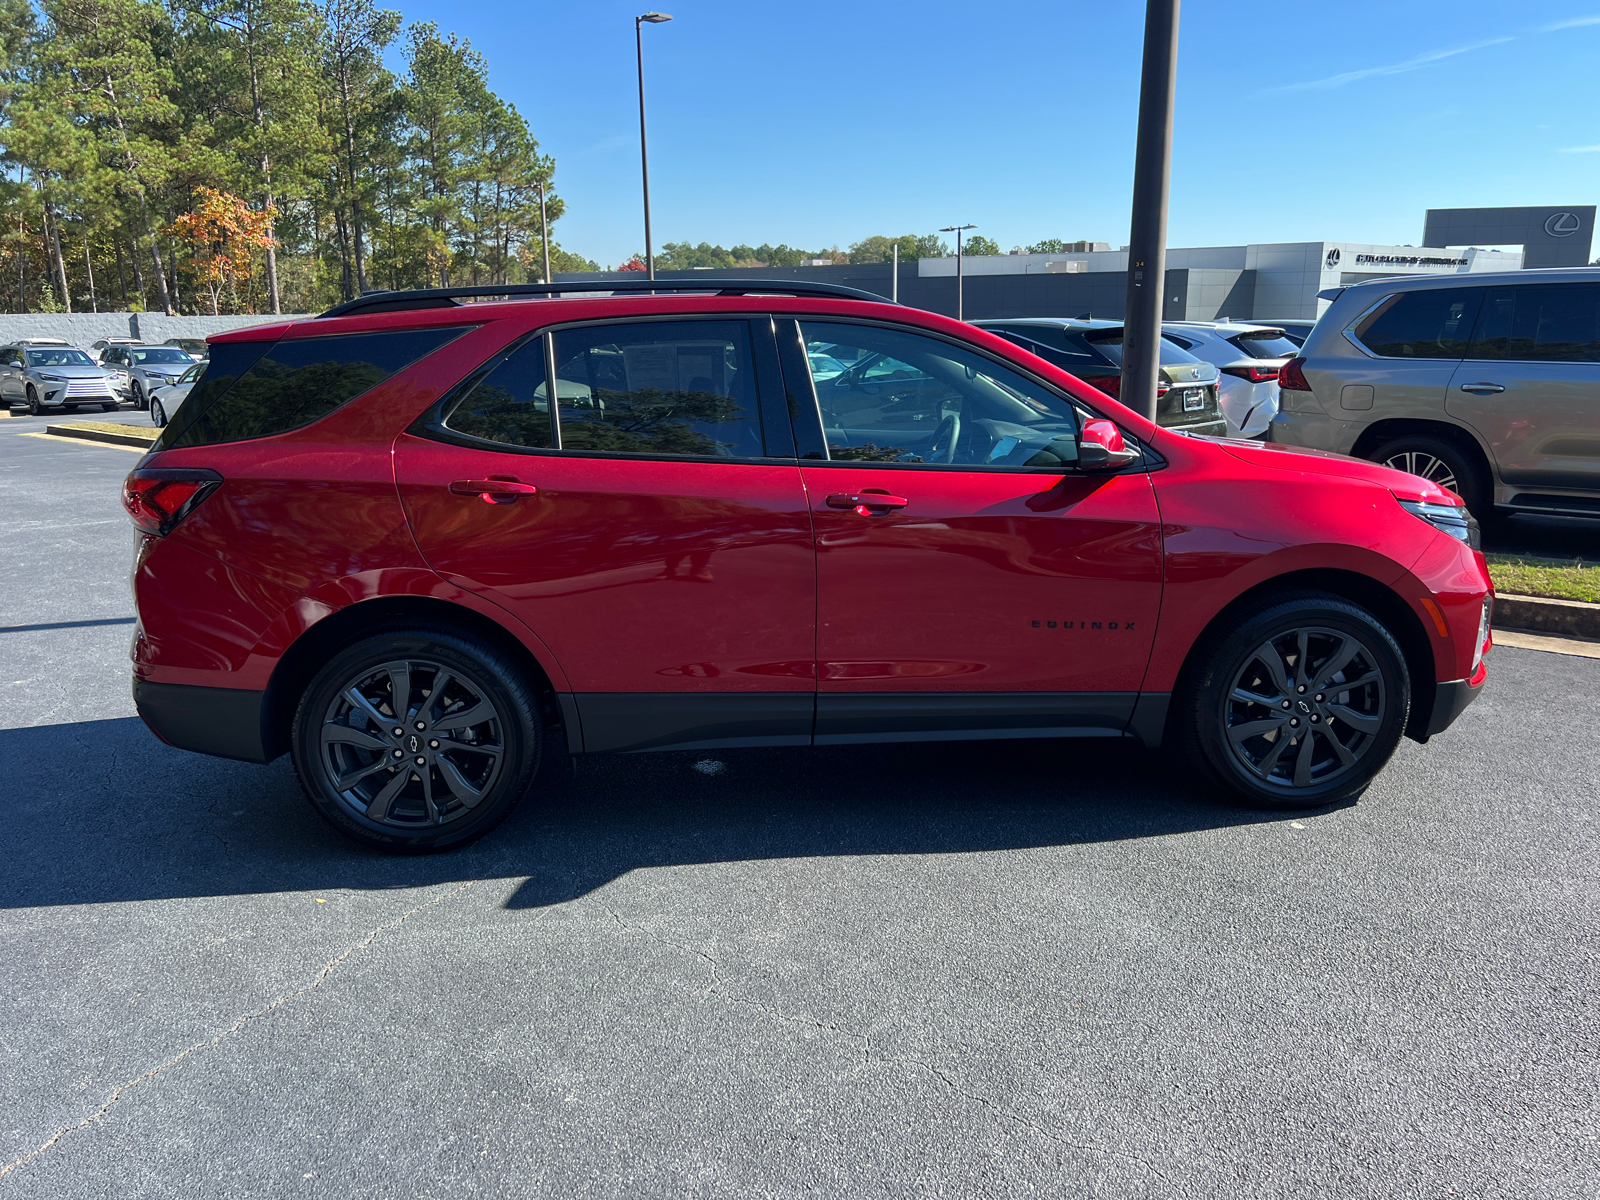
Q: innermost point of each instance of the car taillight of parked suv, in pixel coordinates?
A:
(1486, 384)
(414, 541)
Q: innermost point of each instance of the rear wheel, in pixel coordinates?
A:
(1440, 460)
(1297, 705)
(417, 739)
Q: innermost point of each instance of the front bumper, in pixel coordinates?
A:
(1450, 701)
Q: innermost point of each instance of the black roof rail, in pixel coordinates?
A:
(447, 297)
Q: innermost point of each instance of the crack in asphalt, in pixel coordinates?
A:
(718, 988)
(316, 981)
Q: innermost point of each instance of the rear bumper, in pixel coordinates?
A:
(1449, 701)
(225, 722)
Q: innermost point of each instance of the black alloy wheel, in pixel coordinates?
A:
(33, 402)
(417, 740)
(139, 400)
(1443, 462)
(1300, 704)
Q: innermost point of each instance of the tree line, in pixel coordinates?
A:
(686, 256)
(255, 156)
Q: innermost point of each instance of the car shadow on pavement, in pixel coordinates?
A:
(100, 811)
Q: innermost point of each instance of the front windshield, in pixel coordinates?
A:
(159, 354)
(65, 357)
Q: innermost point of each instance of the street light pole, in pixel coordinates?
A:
(654, 18)
(1147, 241)
(894, 275)
(957, 230)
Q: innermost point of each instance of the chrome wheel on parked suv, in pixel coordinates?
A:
(1300, 704)
(416, 740)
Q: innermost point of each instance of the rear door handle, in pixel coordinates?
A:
(1482, 389)
(867, 503)
(497, 489)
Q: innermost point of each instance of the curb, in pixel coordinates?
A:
(1570, 617)
(98, 435)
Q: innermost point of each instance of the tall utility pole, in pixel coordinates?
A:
(654, 18)
(544, 233)
(1147, 243)
(957, 230)
(894, 276)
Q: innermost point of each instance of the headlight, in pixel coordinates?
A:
(1447, 518)
(52, 378)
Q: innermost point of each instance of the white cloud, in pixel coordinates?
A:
(1580, 150)
(1399, 68)
(1570, 23)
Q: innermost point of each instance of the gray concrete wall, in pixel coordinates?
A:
(83, 328)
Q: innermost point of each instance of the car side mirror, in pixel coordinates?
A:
(1101, 448)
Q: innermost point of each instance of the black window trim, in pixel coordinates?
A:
(1150, 459)
(430, 424)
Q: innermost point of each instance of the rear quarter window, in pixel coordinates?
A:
(257, 389)
(1432, 323)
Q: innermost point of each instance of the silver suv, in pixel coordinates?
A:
(1489, 387)
(51, 376)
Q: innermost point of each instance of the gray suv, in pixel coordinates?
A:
(52, 377)
(1488, 385)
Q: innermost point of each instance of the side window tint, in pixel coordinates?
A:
(1433, 323)
(658, 388)
(508, 402)
(907, 398)
(1543, 323)
(293, 383)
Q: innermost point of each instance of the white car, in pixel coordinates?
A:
(166, 398)
(1249, 356)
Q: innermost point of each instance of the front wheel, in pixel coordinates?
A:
(139, 400)
(417, 739)
(1299, 704)
(33, 402)
(158, 415)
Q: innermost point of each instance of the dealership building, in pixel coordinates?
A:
(1254, 282)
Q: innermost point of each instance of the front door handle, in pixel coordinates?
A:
(1482, 389)
(867, 503)
(497, 489)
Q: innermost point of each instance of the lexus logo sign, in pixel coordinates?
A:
(1332, 260)
(1562, 224)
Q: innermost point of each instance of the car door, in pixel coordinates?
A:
(11, 375)
(651, 527)
(1530, 384)
(1414, 341)
(970, 581)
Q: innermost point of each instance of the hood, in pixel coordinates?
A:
(1339, 466)
(70, 371)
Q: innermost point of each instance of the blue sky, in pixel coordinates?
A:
(819, 124)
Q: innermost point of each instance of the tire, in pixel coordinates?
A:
(33, 402)
(139, 400)
(386, 802)
(1444, 462)
(158, 415)
(1332, 748)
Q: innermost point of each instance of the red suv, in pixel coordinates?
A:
(409, 540)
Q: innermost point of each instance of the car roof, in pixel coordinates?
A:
(1060, 322)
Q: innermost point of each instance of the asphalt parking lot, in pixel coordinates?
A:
(986, 969)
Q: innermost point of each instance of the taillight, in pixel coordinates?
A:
(1111, 385)
(1253, 374)
(1291, 377)
(157, 498)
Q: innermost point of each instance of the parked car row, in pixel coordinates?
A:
(52, 375)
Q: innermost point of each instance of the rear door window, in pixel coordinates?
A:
(658, 388)
(257, 389)
(1433, 323)
(1540, 323)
